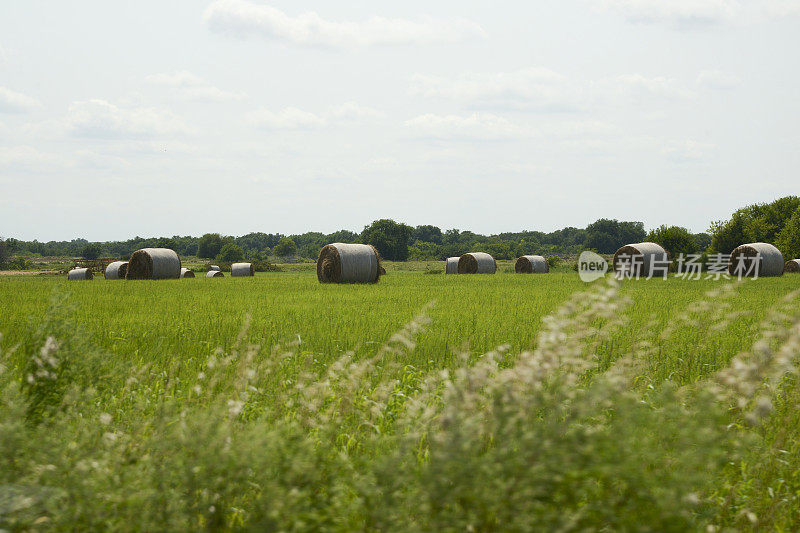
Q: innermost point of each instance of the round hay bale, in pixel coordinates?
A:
(186, 273)
(451, 265)
(154, 263)
(771, 263)
(477, 263)
(214, 267)
(348, 263)
(241, 270)
(381, 271)
(116, 270)
(531, 264)
(215, 274)
(792, 266)
(649, 251)
(79, 274)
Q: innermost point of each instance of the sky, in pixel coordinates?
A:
(184, 117)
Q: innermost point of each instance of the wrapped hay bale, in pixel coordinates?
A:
(348, 263)
(792, 266)
(477, 263)
(531, 264)
(116, 270)
(743, 258)
(240, 270)
(186, 273)
(78, 274)
(649, 252)
(215, 274)
(214, 267)
(451, 265)
(154, 263)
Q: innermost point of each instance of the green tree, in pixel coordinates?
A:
(389, 237)
(210, 245)
(702, 240)
(674, 239)
(3, 253)
(427, 234)
(607, 236)
(166, 242)
(285, 248)
(91, 251)
(788, 240)
(424, 251)
(230, 253)
(757, 222)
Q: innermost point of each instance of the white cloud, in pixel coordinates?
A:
(639, 86)
(477, 126)
(25, 155)
(353, 111)
(682, 12)
(189, 86)
(687, 13)
(542, 89)
(715, 79)
(14, 102)
(529, 87)
(291, 118)
(686, 150)
(102, 119)
(243, 18)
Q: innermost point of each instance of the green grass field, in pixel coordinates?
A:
(278, 402)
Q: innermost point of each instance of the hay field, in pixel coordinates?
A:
(423, 402)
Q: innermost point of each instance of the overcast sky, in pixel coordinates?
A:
(185, 117)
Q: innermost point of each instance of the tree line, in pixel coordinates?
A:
(777, 222)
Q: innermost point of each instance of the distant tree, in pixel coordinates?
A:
(702, 241)
(497, 249)
(788, 240)
(91, 251)
(757, 222)
(230, 253)
(427, 234)
(606, 235)
(210, 245)
(603, 236)
(285, 248)
(424, 251)
(630, 232)
(3, 253)
(674, 239)
(166, 242)
(389, 237)
(342, 235)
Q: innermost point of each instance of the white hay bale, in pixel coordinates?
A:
(348, 263)
(531, 264)
(186, 273)
(793, 266)
(639, 257)
(451, 265)
(79, 274)
(154, 263)
(214, 267)
(242, 270)
(116, 270)
(743, 257)
(477, 263)
(215, 274)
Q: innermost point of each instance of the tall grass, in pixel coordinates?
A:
(618, 415)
